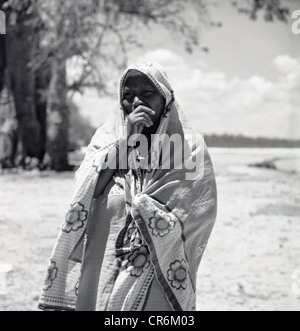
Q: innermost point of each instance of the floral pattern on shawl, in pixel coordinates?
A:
(138, 261)
(75, 218)
(51, 276)
(161, 225)
(129, 236)
(178, 274)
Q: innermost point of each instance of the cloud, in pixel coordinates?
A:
(164, 57)
(286, 63)
(217, 104)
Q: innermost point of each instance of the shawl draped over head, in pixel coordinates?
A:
(174, 209)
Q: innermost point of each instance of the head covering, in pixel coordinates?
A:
(183, 196)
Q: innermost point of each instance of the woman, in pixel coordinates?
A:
(141, 217)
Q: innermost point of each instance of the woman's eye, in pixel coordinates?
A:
(128, 96)
(147, 94)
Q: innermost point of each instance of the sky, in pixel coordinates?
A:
(248, 83)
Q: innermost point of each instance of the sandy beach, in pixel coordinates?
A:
(251, 257)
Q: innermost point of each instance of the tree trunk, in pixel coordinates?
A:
(58, 118)
(21, 48)
(8, 122)
(2, 60)
(42, 86)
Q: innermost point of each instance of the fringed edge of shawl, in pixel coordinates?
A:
(57, 304)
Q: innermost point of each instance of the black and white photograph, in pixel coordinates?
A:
(149, 157)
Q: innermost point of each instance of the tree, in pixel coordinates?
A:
(44, 36)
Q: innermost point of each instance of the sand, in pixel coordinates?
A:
(252, 258)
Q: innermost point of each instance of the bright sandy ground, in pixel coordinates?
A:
(249, 263)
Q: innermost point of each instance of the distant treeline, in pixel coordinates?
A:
(241, 141)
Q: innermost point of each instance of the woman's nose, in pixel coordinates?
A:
(137, 102)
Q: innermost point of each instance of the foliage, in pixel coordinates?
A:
(271, 9)
(94, 31)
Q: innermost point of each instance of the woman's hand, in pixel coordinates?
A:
(138, 119)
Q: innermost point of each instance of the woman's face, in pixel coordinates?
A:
(139, 90)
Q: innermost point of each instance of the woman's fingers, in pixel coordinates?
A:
(143, 109)
(148, 119)
(140, 118)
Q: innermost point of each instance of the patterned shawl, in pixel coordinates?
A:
(174, 209)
